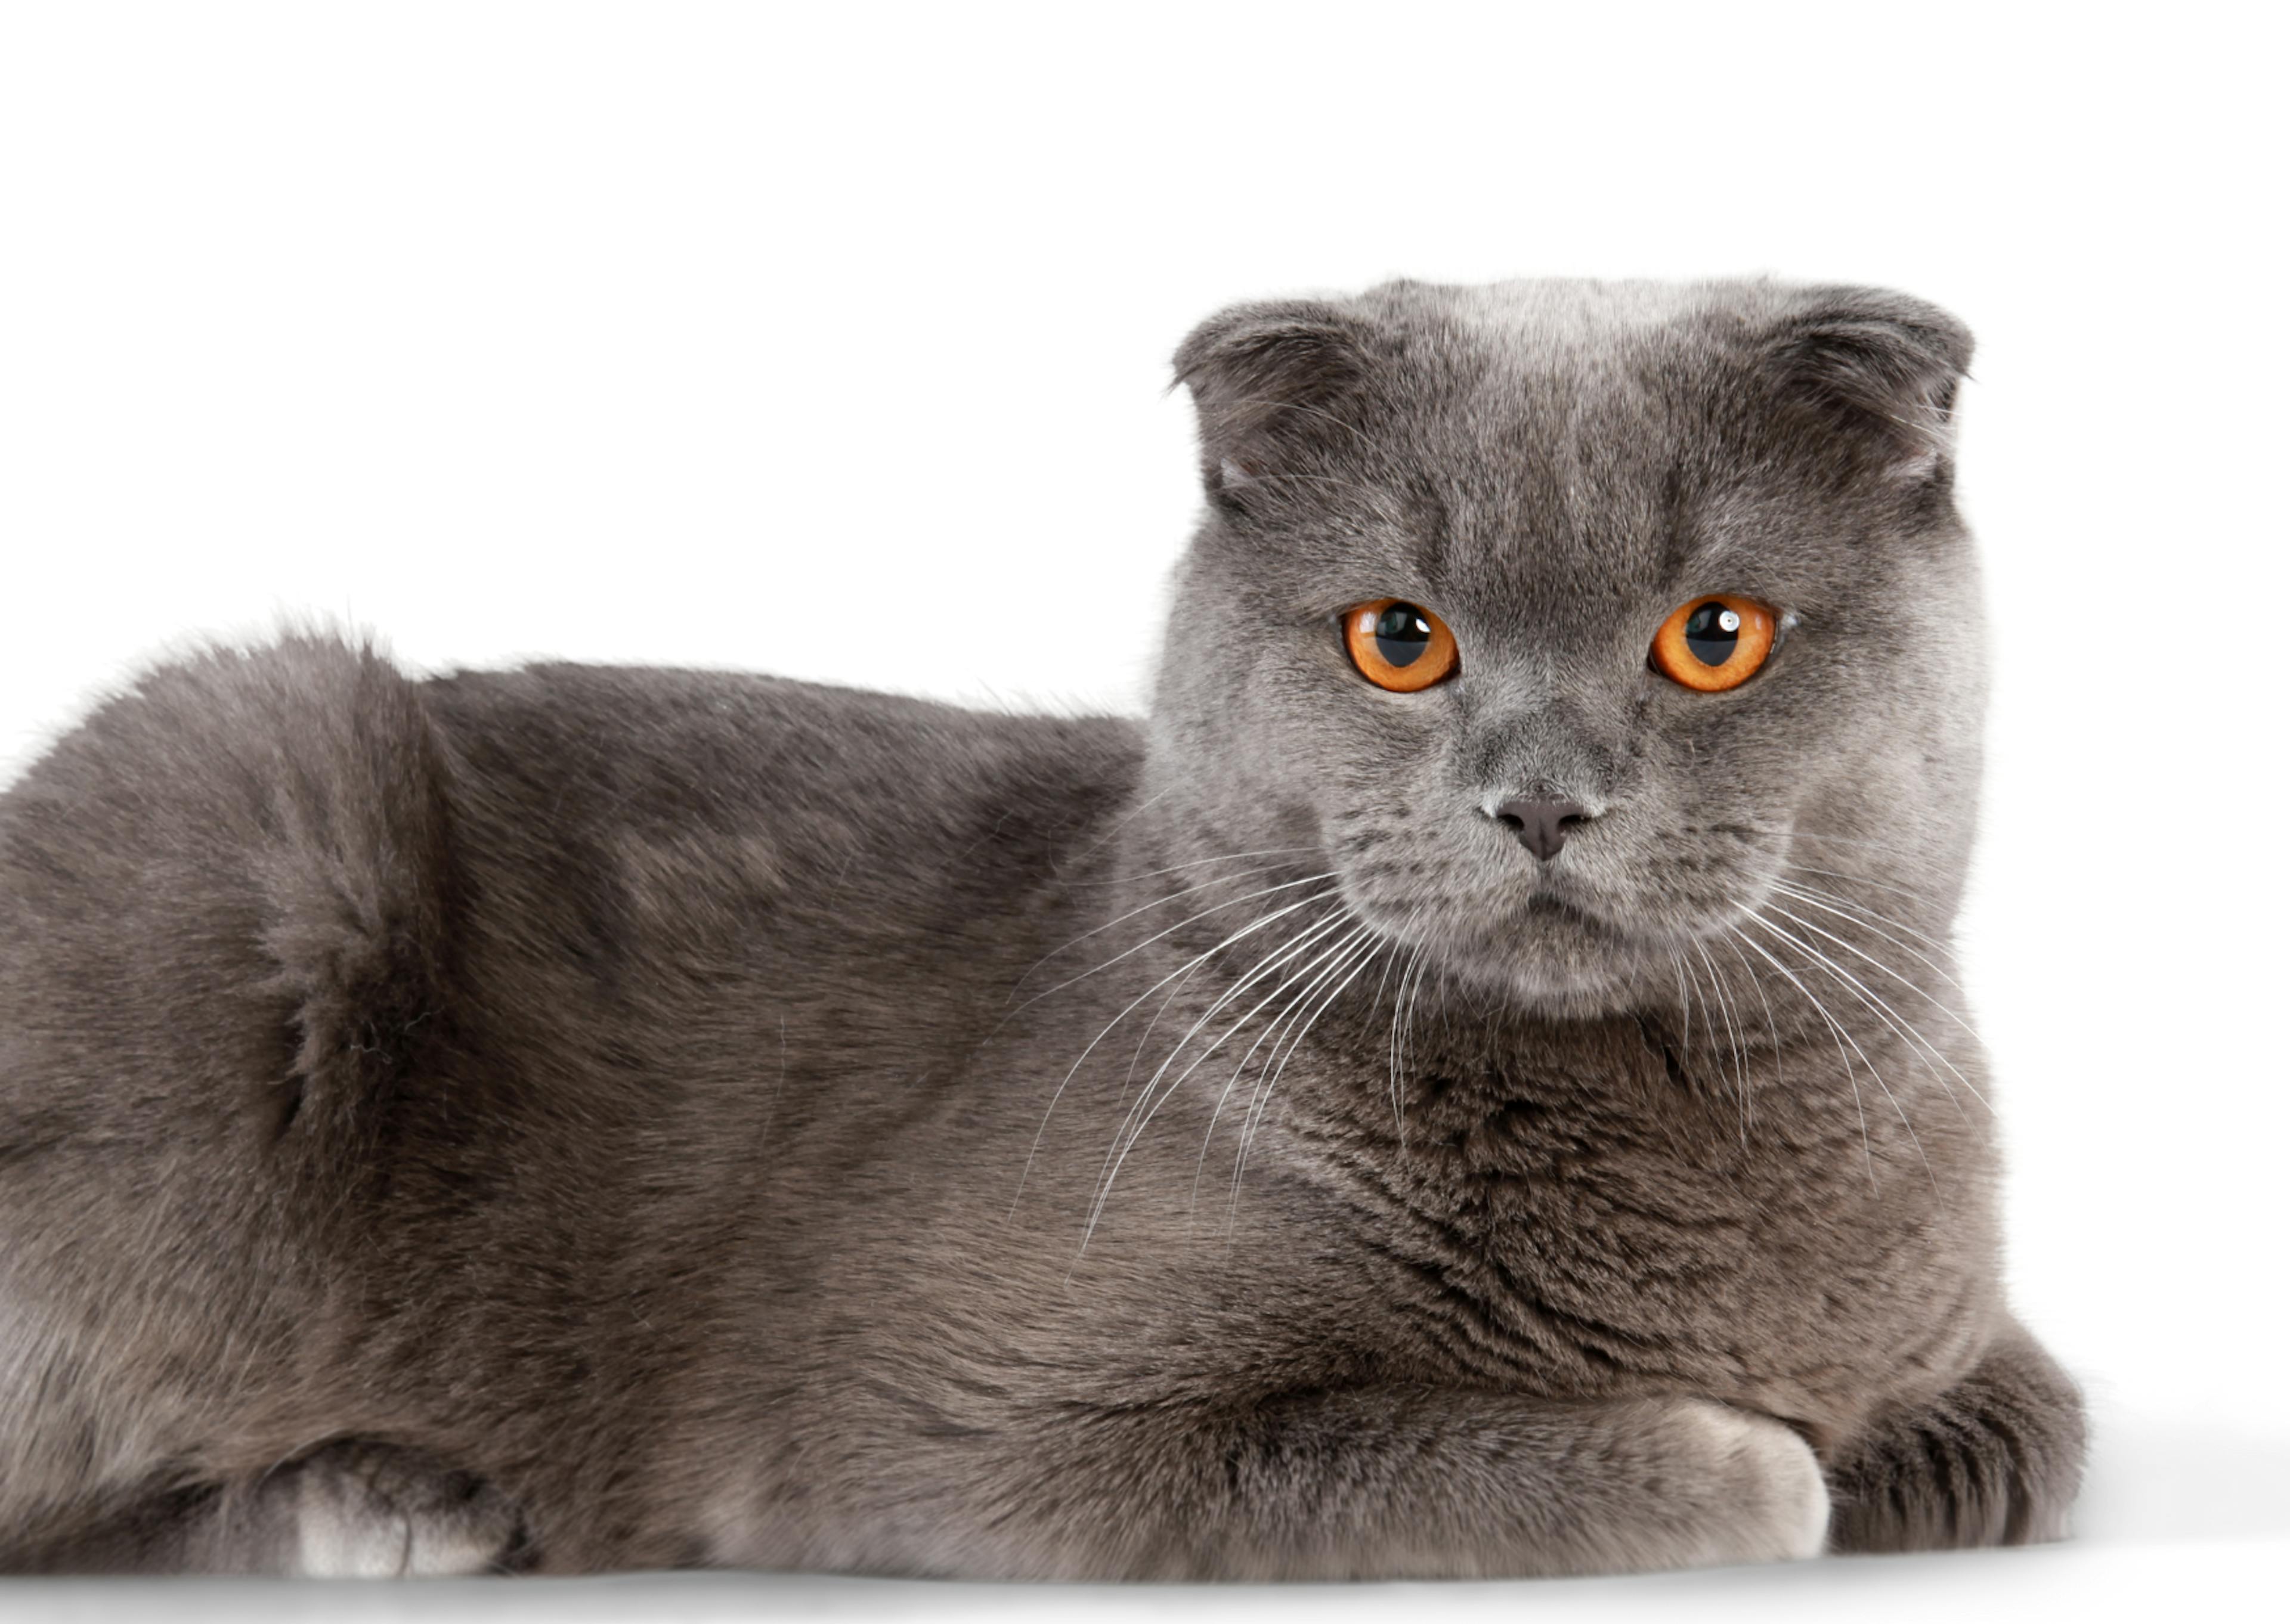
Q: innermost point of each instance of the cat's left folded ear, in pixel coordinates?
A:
(1269, 380)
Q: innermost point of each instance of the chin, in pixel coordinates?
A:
(1545, 957)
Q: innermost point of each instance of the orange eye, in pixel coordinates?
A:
(1399, 646)
(1715, 642)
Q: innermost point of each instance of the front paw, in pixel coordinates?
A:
(374, 1511)
(1768, 1500)
(1994, 1460)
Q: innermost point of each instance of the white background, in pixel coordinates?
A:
(836, 345)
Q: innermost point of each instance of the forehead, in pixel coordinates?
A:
(1565, 439)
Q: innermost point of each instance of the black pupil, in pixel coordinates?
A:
(1402, 633)
(1707, 635)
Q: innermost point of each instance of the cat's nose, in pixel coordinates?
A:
(1540, 825)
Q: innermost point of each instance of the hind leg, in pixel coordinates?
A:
(226, 993)
(349, 1511)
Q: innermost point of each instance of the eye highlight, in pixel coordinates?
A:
(1399, 646)
(1714, 641)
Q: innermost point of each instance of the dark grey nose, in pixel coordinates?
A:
(1542, 826)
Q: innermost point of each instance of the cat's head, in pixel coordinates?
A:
(1608, 496)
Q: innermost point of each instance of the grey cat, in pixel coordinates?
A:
(1473, 1085)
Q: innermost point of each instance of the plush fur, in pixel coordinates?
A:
(579, 1118)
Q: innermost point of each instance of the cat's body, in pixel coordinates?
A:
(583, 1118)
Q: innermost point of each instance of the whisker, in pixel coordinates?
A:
(1126, 1138)
(1861, 879)
(1186, 890)
(1425, 966)
(1308, 879)
(1398, 1124)
(1898, 1023)
(1398, 1042)
(1708, 1009)
(1837, 1034)
(1685, 1004)
(1876, 1075)
(1773, 1032)
(1225, 1095)
(1135, 813)
(1740, 1065)
(1257, 1107)
(1311, 984)
(1869, 919)
(1904, 981)
(1137, 1056)
(1061, 1089)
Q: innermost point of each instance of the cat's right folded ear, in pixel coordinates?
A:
(1269, 380)
(1875, 368)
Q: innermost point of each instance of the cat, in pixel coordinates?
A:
(1474, 1084)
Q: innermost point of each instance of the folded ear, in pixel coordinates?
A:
(1878, 367)
(1267, 379)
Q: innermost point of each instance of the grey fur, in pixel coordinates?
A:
(582, 1118)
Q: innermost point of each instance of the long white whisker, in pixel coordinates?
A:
(1837, 1034)
(1135, 813)
(1264, 1100)
(1845, 907)
(1685, 1004)
(1398, 1126)
(1888, 970)
(1061, 1089)
(1708, 1010)
(1861, 879)
(1140, 1113)
(1301, 989)
(1918, 1043)
(1186, 890)
(1425, 966)
(1740, 1065)
(1308, 879)
(1892, 846)
(1760, 919)
(1773, 1032)
(1137, 1055)
(1160, 901)
(1398, 1002)
(1805, 898)
(1321, 972)
(1288, 986)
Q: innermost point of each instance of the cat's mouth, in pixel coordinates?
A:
(1554, 936)
(1561, 943)
(1544, 905)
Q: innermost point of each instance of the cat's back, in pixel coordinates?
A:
(285, 863)
(657, 833)
(827, 772)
